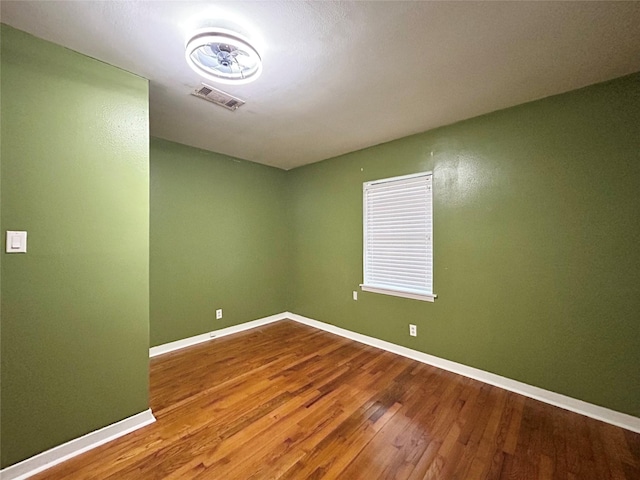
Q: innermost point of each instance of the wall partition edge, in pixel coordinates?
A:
(49, 458)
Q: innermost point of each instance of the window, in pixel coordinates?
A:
(398, 228)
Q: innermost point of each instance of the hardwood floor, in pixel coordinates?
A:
(286, 401)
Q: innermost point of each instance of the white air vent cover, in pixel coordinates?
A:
(218, 97)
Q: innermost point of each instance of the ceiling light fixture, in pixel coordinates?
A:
(223, 56)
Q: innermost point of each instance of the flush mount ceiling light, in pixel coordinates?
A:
(223, 56)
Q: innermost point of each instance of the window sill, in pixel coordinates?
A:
(399, 293)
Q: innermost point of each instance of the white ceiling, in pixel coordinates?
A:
(341, 76)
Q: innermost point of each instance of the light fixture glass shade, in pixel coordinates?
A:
(223, 56)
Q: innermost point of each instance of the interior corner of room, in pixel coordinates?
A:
(135, 241)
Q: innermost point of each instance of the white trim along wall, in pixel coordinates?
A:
(607, 415)
(187, 342)
(56, 455)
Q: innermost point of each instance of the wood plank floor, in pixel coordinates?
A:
(286, 401)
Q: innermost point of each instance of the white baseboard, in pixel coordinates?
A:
(622, 420)
(45, 460)
(607, 415)
(205, 337)
(59, 454)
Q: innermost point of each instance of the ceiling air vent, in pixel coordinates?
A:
(218, 97)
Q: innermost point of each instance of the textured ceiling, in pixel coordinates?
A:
(341, 76)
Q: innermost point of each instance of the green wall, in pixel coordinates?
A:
(75, 308)
(219, 239)
(536, 243)
(537, 264)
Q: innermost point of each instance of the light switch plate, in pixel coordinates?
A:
(16, 242)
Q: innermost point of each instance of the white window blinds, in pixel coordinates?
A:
(398, 229)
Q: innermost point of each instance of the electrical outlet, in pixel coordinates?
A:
(218, 314)
(355, 295)
(413, 330)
